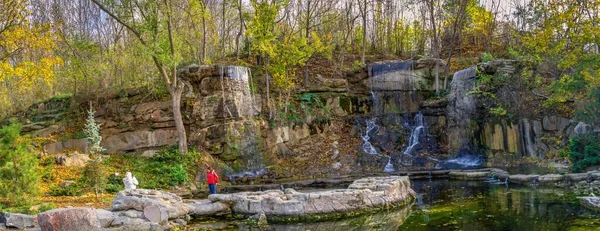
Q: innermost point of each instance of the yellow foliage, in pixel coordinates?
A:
(27, 58)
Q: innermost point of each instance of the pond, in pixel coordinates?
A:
(459, 205)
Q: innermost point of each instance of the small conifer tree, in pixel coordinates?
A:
(94, 176)
(92, 132)
(19, 177)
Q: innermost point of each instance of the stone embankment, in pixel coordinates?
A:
(363, 195)
(143, 209)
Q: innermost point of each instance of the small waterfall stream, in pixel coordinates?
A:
(370, 129)
(417, 131)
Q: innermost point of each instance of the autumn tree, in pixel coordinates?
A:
(27, 59)
(152, 24)
(565, 35)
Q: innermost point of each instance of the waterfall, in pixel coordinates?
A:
(238, 113)
(417, 131)
(384, 78)
(371, 128)
(389, 167)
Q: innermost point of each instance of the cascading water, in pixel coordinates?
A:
(370, 129)
(460, 111)
(387, 79)
(462, 161)
(238, 107)
(417, 131)
(389, 167)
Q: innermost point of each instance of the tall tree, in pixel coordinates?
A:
(152, 24)
(363, 8)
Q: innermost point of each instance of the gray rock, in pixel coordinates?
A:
(105, 217)
(127, 141)
(17, 220)
(132, 224)
(155, 213)
(551, 178)
(575, 177)
(139, 199)
(52, 129)
(469, 175)
(132, 213)
(522, 179)
(550, 123)
(180, 222)
(582, 128)
(58, 147)
(562, 124)
(537, 128)
(67, 219)
(74, 159)
(592, 203)
(361, 194)
(207, 208)
(67, 183)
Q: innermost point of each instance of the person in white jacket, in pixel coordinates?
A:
(130, 181)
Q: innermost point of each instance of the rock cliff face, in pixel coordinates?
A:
(226, 115)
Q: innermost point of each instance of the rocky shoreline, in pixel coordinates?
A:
(143, 209)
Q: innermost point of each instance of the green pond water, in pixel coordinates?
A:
(458, 205)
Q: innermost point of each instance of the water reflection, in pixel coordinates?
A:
(459, 205)
(462, 205)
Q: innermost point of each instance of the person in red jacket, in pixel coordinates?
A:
(213, 179)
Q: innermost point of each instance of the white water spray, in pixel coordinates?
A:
(418, 129)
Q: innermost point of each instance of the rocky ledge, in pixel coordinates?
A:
(363, 195)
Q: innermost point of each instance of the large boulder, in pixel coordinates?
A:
(67, 219)
(123, 223)
(74, 159)
(207, 207)
(17, 220)
(156, 213)
(139, 199)
(105, 217)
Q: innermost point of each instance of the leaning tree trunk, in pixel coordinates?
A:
(176, 102)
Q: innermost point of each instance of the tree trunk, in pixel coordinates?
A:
(266, 61)
(176, 102)
(435, 47)
(203, 58)
(364, 34)
(223, 53)
(239, 34)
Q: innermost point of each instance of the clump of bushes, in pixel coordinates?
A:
(71, 190)
(584, 152)
(19, 178)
